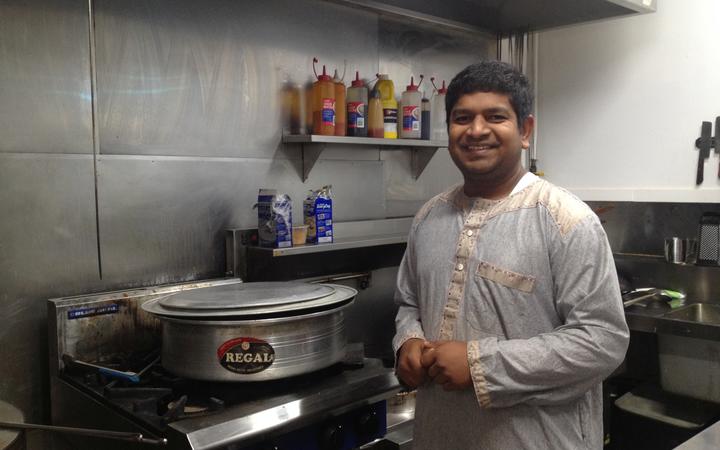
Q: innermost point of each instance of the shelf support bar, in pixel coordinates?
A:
(421, 156)
(310, 154)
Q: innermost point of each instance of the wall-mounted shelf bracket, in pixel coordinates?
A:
(310, 154)
(421, 156)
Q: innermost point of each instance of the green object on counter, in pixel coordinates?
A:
(676, 303)
(678, 298)
(672, 294)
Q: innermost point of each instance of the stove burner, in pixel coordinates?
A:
(184, 407)
(161, 397)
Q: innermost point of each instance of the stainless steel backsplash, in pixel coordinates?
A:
(637, 231)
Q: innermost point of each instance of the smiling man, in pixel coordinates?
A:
(509, 309)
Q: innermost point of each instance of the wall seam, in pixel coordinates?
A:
(95, 131)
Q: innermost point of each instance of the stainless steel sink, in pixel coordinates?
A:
(705, 313)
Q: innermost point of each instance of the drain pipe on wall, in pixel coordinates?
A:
(521, 50)
(533, 53)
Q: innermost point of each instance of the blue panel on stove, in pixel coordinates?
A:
(343, 432)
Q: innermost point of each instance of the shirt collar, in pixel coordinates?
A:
(462, 201)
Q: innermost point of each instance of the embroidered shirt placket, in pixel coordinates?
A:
(479, 211)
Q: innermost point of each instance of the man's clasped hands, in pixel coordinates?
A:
(440, 362)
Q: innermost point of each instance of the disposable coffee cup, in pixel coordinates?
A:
(299, 234)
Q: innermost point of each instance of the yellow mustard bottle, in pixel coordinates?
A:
(386, 88)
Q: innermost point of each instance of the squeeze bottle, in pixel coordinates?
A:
(357, 103)
(390, 109)
(376, 126)
(425, 118)
(438, 132)
(294, 105)
(411, 112)
(323, 104)
(340, 111)
(309, 102)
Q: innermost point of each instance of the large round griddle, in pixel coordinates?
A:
(246, 300)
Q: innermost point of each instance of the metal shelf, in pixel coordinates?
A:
(312, 146)
(339, 244)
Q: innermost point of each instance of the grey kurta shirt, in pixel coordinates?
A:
(529, 282)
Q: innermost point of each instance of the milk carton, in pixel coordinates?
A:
(317, 209)
(274, 219)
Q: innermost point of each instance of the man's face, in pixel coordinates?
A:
(484, 139)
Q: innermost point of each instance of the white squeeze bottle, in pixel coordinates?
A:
(438, 131)
(411, 111)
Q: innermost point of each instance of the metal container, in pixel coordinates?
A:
(680, 251)
(253, 331)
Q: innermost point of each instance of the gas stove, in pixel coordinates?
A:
(338, 407)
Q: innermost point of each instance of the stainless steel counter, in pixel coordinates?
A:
(695, 320)
(708, 439)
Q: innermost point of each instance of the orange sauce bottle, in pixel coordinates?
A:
(323, 92)
(376, 125)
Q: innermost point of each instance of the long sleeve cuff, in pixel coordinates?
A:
(477, 373)
(400, 339)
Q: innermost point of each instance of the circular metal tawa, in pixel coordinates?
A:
(9, 413)
(338, 294)
(246, 295)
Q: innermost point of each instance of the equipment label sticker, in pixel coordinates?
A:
(79, 313)
(246, 355)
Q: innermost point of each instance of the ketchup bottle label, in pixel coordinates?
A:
(328, 111)
(356, 113)
(411, 118)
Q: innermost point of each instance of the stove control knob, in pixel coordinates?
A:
(332, 437)
(368, 424)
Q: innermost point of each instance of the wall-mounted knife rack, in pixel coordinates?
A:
(704, 143)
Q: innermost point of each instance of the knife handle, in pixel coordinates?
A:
(704, 153)
(717, 139)
(700, 167)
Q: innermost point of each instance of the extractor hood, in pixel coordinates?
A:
(505, 16)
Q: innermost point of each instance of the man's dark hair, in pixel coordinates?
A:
(492, 76)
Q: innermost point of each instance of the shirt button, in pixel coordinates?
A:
(460, 267)
(469, 232)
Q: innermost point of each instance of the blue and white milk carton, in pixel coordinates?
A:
(274, 219)
(317, 209)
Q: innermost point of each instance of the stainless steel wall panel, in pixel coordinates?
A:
(404, 195)
(191, 78)
(47, 248)
(371, 317)
(45, 77)
(163, 219)
(410, 50)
